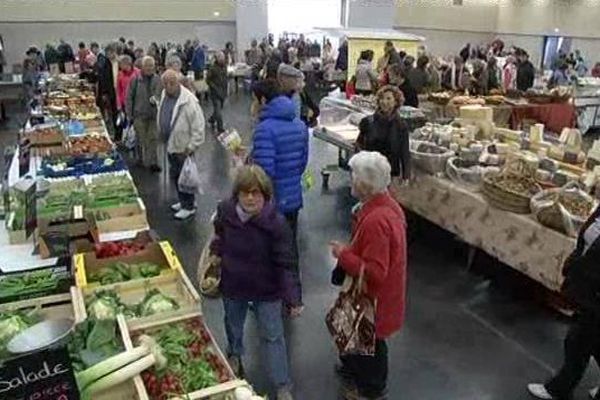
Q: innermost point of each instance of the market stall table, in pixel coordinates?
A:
(436, 112)
(555, 116)
(519, 241)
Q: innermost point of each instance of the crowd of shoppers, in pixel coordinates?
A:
(474, 71)
(268, 193)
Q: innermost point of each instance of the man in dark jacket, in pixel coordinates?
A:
(217, 86)
(142, 98)
(51, 55)
(341, 63)
(525, 72)
(398, 78)
(65, 54)
(280, 147)
(107, 68)
(392, 54)
(198, 61)
(581, 286)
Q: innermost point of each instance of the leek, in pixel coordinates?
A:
(103, 368)
(115, 366)
(119, 376)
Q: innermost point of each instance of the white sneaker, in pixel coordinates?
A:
(539, 391)
(184, 214)
(176, 207)
(594, 392)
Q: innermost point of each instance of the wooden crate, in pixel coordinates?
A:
(160, 253)
(173, 283)
(124, 391)
(66, 305)
(221, 391)
(124, 218)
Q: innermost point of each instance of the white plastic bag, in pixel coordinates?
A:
(130, 138)
(189, 179)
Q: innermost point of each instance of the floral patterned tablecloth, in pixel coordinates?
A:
(517, 240)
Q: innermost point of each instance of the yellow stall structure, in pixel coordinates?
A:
(374, 39)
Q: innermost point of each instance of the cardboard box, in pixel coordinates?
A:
(161, 254)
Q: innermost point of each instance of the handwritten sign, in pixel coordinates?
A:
(45, 375)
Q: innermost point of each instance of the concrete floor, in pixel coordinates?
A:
(481, 334)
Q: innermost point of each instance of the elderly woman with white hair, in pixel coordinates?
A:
(173, 62)
(378, 249)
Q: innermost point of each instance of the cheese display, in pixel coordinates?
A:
(476, 113)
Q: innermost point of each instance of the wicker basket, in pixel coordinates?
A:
(508, 200)
(429, 157)
(209, 269)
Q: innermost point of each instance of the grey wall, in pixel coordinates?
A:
(252, 22)
(19, 36)
(378, 14)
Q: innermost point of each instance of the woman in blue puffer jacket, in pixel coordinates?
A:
(280, 147)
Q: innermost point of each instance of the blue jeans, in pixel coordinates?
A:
(270, 325)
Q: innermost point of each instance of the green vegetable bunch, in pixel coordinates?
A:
(28, 283)
(93, 341)
(155, 302)
(13, 323)
(122, 272)
(106, 304)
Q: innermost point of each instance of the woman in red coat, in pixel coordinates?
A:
(378, 246)
(126, 74)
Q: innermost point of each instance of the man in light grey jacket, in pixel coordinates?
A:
(142, 98)
(181, 125)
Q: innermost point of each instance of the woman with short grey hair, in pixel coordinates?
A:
(174, 63)
(378, 250)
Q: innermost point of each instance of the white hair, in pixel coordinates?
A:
(372, 169)
(172, 60)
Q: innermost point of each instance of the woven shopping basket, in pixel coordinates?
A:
(499, 195)
(209, 269)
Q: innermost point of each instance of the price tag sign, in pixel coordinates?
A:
(45, 375)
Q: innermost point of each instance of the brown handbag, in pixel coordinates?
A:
(351, 320)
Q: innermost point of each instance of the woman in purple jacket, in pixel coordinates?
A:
(254, 243)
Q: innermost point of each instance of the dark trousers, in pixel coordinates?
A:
(292, 219)
(217, 116)
(368, 373)
(176, 162)
(581, 343)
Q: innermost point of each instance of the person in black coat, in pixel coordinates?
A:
(106, 89)
(386, 133)
(525, 72)
(582, 286)
(65, 54)
(398, 78)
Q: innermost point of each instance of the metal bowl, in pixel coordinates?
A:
(40, 336)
